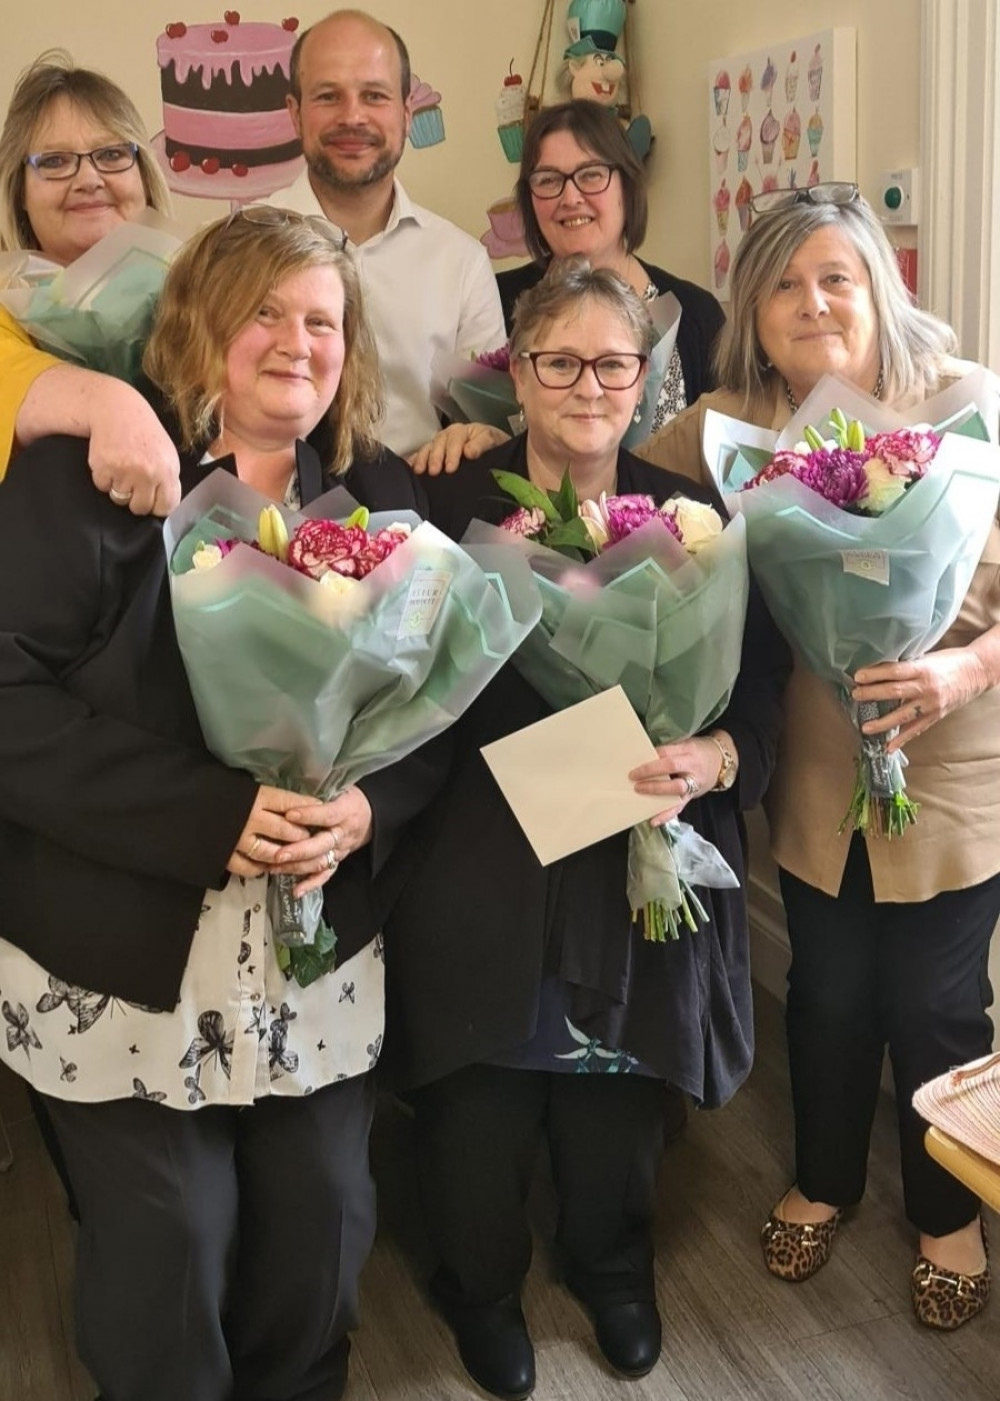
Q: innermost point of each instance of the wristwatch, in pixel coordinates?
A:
(730, 763)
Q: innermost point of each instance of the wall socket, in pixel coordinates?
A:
(898, 194)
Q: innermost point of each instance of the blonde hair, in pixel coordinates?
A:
(51, 76)
(215, 287)
(913, 344)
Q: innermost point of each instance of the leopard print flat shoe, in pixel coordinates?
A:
(946, 1299)
(794, 1251)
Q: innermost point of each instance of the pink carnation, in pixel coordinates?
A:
(906, 452)
(524, 522)
(624, 514)
(380, 546)
(318, 546)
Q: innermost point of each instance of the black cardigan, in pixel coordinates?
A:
(480, 922)
(114, 818)
(701, 320)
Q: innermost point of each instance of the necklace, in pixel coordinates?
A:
(793, 403)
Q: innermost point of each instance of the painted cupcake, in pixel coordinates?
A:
(744, 140)
(721, 200)
(814, 132)
(814, 73)
(721, 142)
(721, 93)
(768, 79)
(510, 115)
(745, 84)
(427, 126)
(721, 264)
(791, 77)
(744, 194)
(791, 135)
(769, 133)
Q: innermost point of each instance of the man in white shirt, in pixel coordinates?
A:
(428, 286)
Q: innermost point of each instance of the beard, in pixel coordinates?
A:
(322, 166)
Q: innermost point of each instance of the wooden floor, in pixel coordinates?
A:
(731, 1332)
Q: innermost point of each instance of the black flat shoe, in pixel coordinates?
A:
(629, 1336)
(494, 1346)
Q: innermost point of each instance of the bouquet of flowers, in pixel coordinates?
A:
(653, 599)
(99, 309)
(476, 389)
(320, 652)
(665, 314)
(864, 540)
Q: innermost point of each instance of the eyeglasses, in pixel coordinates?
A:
(591, 179)
(63, 165)
(832, 192)
(558, 369)
(273, 216)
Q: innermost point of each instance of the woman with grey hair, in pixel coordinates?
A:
(515, 988)
(75, 163)
(889, 941)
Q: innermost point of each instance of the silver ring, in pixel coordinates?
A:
(120, 498)
(690, 785)
(253, 847)
(331, 860)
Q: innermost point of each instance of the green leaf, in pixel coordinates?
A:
(565, 499)
(572, 535)
(526, 494)
(311, 961)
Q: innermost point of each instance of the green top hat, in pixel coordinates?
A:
(583, 48)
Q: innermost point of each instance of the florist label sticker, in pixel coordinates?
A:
(867, 564)
(428, 590)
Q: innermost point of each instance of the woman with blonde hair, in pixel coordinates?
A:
(213, 1116)
(75, 163)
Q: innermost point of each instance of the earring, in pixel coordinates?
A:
(637, 416)
(520, 419)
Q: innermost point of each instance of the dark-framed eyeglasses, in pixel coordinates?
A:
(590, 179)
(274, 216)
(63, 165)
(831, 192)
(558, 369)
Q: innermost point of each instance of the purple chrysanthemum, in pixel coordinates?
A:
(837, 474)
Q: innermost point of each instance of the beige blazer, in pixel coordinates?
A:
(954, 768)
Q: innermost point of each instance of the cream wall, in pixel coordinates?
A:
(462, 48)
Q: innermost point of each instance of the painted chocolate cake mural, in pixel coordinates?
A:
(227, 133)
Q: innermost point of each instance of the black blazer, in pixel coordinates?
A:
(114, 818)
(480, 923)
(701, 320)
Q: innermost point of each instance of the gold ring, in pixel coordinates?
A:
(690, 785)
(120, 498)
(253, 847)
(331, 860)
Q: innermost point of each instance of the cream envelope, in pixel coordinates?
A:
(566, 777)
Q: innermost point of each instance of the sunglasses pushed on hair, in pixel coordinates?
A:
(832, 192)
(272, 216)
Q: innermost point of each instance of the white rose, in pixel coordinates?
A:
(884, 487)
(699, 523)
(206, 557)
(335, 583)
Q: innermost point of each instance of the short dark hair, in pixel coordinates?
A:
(597, 128)
(405, 78)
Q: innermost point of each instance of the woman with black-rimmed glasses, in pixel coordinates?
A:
(890, 940)
(522, 999)
(582, 192)
(75, 163)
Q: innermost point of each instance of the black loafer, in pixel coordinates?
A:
(494, 1346)
(629, 1336)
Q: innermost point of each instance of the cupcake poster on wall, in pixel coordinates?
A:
(779, 117)
(427, 123)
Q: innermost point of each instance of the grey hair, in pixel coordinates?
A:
(913, 344)
(567, 283)
(51, 76)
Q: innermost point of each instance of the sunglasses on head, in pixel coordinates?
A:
(832, 192)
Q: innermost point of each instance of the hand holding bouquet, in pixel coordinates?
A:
(652, 598)
(380, 634)
(864, 541)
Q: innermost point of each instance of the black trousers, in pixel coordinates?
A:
(219, 1250)
(864, 976)
(477, 1135)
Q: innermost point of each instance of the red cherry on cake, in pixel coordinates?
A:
(179, 161)
(232, 16)
(176, 31)
(512, 80)
(290, 24)
(241, 170)
(220, 36)
(210, 165)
